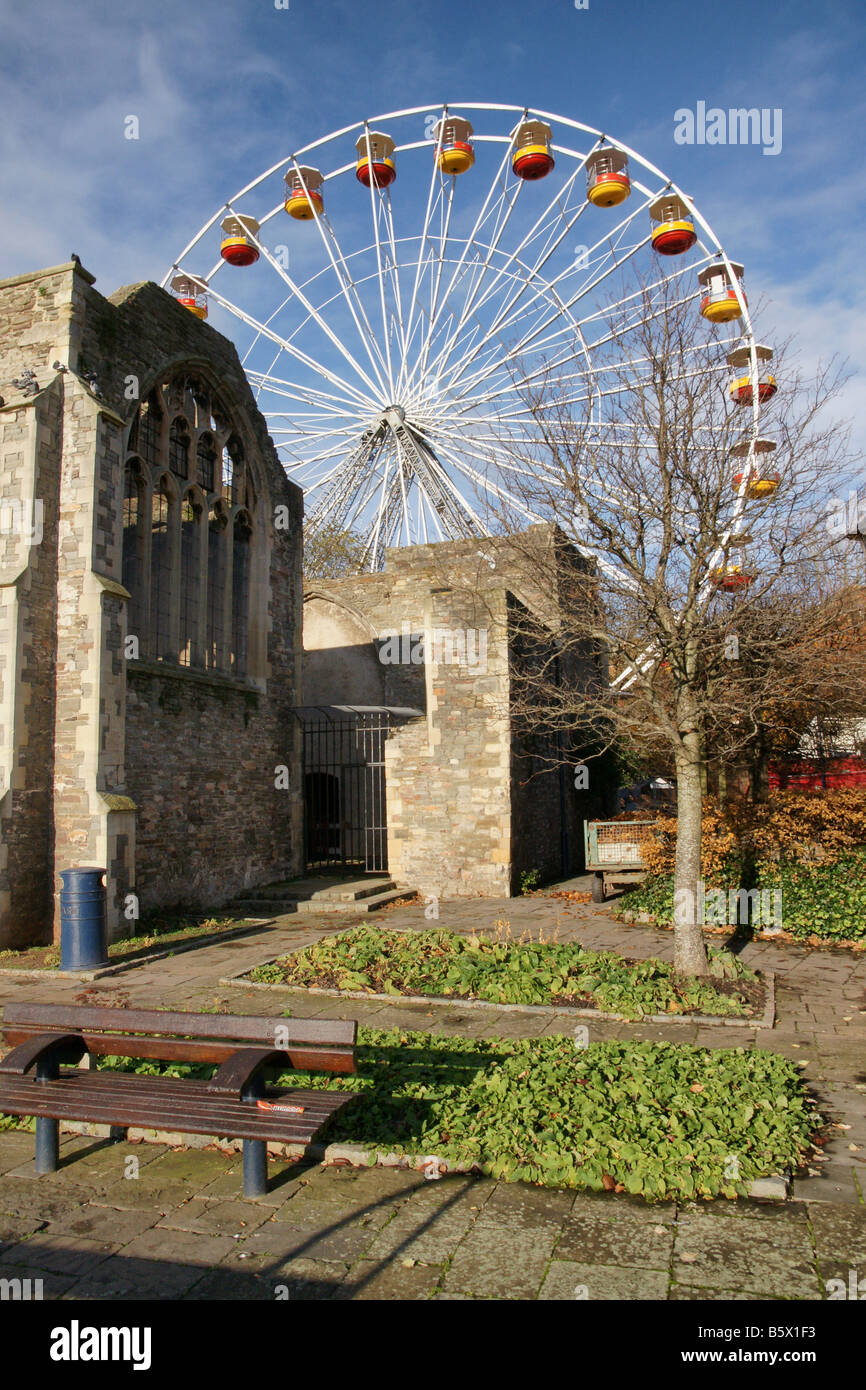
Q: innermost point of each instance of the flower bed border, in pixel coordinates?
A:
(774, 1187)
(766, 1020)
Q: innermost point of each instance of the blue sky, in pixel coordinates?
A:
(224, 90)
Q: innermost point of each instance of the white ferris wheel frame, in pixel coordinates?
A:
(336, 406)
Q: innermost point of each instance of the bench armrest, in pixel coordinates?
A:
(47, 1050)
(244, 1068)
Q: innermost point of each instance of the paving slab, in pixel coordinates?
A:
(498, 1261)
(774, 1259)
(570, 1279)
(640, 1244)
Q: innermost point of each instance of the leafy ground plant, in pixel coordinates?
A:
(824, 901)
(443, 963)
(662, 1120)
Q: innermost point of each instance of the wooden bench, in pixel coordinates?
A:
(40, 1077)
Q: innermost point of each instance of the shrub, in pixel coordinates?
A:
(824, 900)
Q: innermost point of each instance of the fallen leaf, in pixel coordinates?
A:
(698, 1086)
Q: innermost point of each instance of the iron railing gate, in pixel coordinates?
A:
(345, 810)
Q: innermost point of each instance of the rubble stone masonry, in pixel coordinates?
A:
(164, 775)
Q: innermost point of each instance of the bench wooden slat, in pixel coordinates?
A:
(84, 1096)
(242, 1027)
(302, 1058)
(177, 1092)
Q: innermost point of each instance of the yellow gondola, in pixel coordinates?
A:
(303, 199)
(673, 229)
(532, 158)
(453, 135)
(720, 302)
(237, 246)
(191, 294)
(607, 180)
(376, 151)
(760, 481)
(740, 387)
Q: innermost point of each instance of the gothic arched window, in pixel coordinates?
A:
(190, 582)
(205, 463)
(178, 447)
(134, 545)
(150, 431)
(161, 571)
(189, 540)
(241, 542)
(217, 578)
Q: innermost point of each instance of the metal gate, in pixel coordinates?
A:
(345, 809)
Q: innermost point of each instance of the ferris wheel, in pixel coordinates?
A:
(400, 287)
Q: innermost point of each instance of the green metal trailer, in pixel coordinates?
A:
(614, 852)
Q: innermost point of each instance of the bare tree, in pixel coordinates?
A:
(639, 470)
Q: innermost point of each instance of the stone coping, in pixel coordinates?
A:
(766, 1020)
(158, 953)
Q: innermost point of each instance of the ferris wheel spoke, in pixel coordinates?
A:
(506, 318)
(365, 333)
(446, 205)
(395, 276)
(317, 367)
(316, 315)
(557, 314)
(500, 222)
(435, 188)
(516, 254)
(329, 402)
(375, 197)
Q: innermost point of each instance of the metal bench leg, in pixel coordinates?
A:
(47, 1145)
(255, 1167)
(47, 1131)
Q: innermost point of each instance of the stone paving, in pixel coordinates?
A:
(180, 1228)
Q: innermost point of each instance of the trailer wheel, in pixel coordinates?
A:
(598, 888)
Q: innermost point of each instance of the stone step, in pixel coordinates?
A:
(321, 906)
(324, 889)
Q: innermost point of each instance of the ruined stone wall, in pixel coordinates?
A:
(29, 469)
(93, 743)
(471, 804)
(447, 773)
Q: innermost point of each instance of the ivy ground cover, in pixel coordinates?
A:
(661, 1120)
(441, 963)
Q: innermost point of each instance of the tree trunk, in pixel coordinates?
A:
(690, 953)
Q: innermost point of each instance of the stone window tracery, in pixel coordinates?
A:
(192, 537)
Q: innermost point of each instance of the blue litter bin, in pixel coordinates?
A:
(82, 919)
